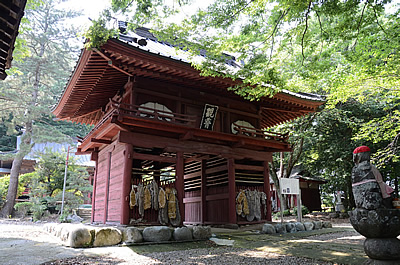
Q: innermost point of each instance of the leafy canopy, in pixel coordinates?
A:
(336, 47)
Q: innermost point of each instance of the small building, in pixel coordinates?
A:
(162, 126)
(310, 188)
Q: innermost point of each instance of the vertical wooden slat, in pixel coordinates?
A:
(107, 188)
(126, 184)
(203, 192)
(267, 190)
(231, 191)
(179, 182)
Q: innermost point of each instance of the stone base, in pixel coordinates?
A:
(383, 249)
(378, 223)
(380, 262)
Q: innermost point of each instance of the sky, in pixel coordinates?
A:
(90, 9)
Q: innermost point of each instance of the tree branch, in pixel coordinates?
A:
(359, 23)
(235, 14)
(322, 31)
(304, 33)
(376, 17)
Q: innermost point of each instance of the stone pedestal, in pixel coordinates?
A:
(381, 227)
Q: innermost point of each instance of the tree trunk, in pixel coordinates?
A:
(351, 203)
(8, 207)
(24, 149)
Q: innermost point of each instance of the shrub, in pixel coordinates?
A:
(304, 210)
(23, 207)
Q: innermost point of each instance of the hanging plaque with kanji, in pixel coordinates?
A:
(209, 116)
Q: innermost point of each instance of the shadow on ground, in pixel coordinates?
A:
(314, 245)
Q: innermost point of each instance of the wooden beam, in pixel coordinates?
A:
(179, 183)
(100, 141)
(249, 167)
(126, 184)
(239, 143)
(203, 177)
(174, 145)
(267, 191)
(186, 136)
(231, 191)
(94, 189)
(157, 158)
(110, 62)
(108, 176)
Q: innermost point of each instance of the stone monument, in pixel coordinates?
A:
(374, 216)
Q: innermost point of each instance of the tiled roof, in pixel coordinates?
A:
(143, 39)
(11, 12)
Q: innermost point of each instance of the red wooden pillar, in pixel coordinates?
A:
(203, 192)
(231, 191)
(179, 184)
(267, 190)
(107, 188)
(126, 184)
(94, 156)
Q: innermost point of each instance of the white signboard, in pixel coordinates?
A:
(289, 186)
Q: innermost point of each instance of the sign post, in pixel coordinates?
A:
(65, 180)
(291, 186)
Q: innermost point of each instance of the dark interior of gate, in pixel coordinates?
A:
(172, 146)
(206, 182)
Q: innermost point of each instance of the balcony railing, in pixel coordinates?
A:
(154, 114)
(253, 132)
(116, 109)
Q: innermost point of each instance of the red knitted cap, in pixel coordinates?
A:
(361, 149)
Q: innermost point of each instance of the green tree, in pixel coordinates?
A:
(331, 140)
(46, 182)
(8, 140)
(30, 92)
(308, 45)
(347, 50)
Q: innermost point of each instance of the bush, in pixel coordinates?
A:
(23, 207)
(38, 208)
(304, 210)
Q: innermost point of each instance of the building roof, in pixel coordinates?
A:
(81, 160)
(100, 74)
(11, 13)
(299, 173)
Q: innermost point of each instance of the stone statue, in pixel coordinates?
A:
(370, 191)
(374, 217)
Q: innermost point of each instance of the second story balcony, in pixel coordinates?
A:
(159, 121)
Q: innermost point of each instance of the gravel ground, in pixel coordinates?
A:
(125, 256)
(222, 255)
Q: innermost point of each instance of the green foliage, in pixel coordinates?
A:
(8, 136)
(304, 210)
(47, 181)
(23, 207)
(98, 33)
(346, 50)
(38, 208)
(30, 92)
(4, 183)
